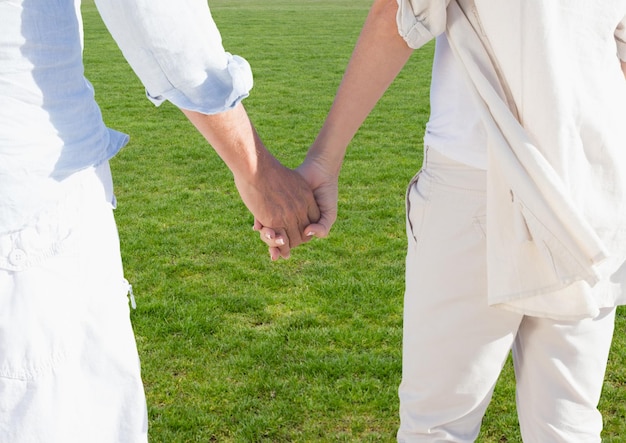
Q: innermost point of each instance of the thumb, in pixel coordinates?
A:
(320, 229)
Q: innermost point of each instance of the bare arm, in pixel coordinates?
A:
(623, 67)
(378, 57)
(276, 196)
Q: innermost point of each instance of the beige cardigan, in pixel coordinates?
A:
(556, 175)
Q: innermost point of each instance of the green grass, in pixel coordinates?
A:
(235, 348)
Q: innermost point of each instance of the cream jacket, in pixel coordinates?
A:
(552, 96)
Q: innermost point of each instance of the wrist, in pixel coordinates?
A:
(258, 166)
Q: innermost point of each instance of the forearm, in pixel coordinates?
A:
(235, 140)
(623, 67)
(378, 57)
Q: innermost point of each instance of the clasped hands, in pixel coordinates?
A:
(291, 206)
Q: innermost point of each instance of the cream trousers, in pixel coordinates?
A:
(455, 345)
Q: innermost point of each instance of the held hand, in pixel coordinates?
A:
(325, 189)
(280, 199)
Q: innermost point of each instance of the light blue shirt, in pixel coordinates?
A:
(50, 124)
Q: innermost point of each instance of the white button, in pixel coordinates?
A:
(17, 257)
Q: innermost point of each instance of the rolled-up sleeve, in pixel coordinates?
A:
(620, 38)
(176, 50)
(419, 21)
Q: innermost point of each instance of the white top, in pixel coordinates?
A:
(455, 127)
(547, 83)
(50, 124)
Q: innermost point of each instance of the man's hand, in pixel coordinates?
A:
(325, 190)
(277, 196)
(281, 199)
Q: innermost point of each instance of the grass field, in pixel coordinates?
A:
(235, 348)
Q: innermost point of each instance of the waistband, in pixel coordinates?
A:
(446, 171)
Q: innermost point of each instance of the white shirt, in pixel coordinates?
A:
(454, 128)
(548, 85)
(50, 124)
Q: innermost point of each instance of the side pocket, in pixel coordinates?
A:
(416, 202)
(38, 327)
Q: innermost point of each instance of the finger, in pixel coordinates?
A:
(314, 215)
(274, 253)
(322, 228)
(282, 243)
(277, 241)
(296, 234)
(316, 230)
(313, 211)
(271, 238)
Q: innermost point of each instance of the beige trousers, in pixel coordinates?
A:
(455, 345)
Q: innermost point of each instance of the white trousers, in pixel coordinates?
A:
(69, 368)
(455, 345)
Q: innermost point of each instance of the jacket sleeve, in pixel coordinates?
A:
(419, 21)
(176, 50)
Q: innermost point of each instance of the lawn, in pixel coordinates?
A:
(235, 348)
